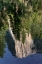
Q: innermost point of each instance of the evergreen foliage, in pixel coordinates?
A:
(24, 15)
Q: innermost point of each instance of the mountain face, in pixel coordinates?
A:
(23, 50)
(20, 50)
(17, 48)
(22, 17)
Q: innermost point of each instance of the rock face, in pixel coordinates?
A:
(23, 50)
(20, 50)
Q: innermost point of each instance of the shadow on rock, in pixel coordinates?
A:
(10, 43)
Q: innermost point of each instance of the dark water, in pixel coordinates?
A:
(7, 54)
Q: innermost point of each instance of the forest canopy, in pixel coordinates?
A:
(25, 17)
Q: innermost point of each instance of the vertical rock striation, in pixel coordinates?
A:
(22, 50)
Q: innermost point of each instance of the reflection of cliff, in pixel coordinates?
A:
(10, 43)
